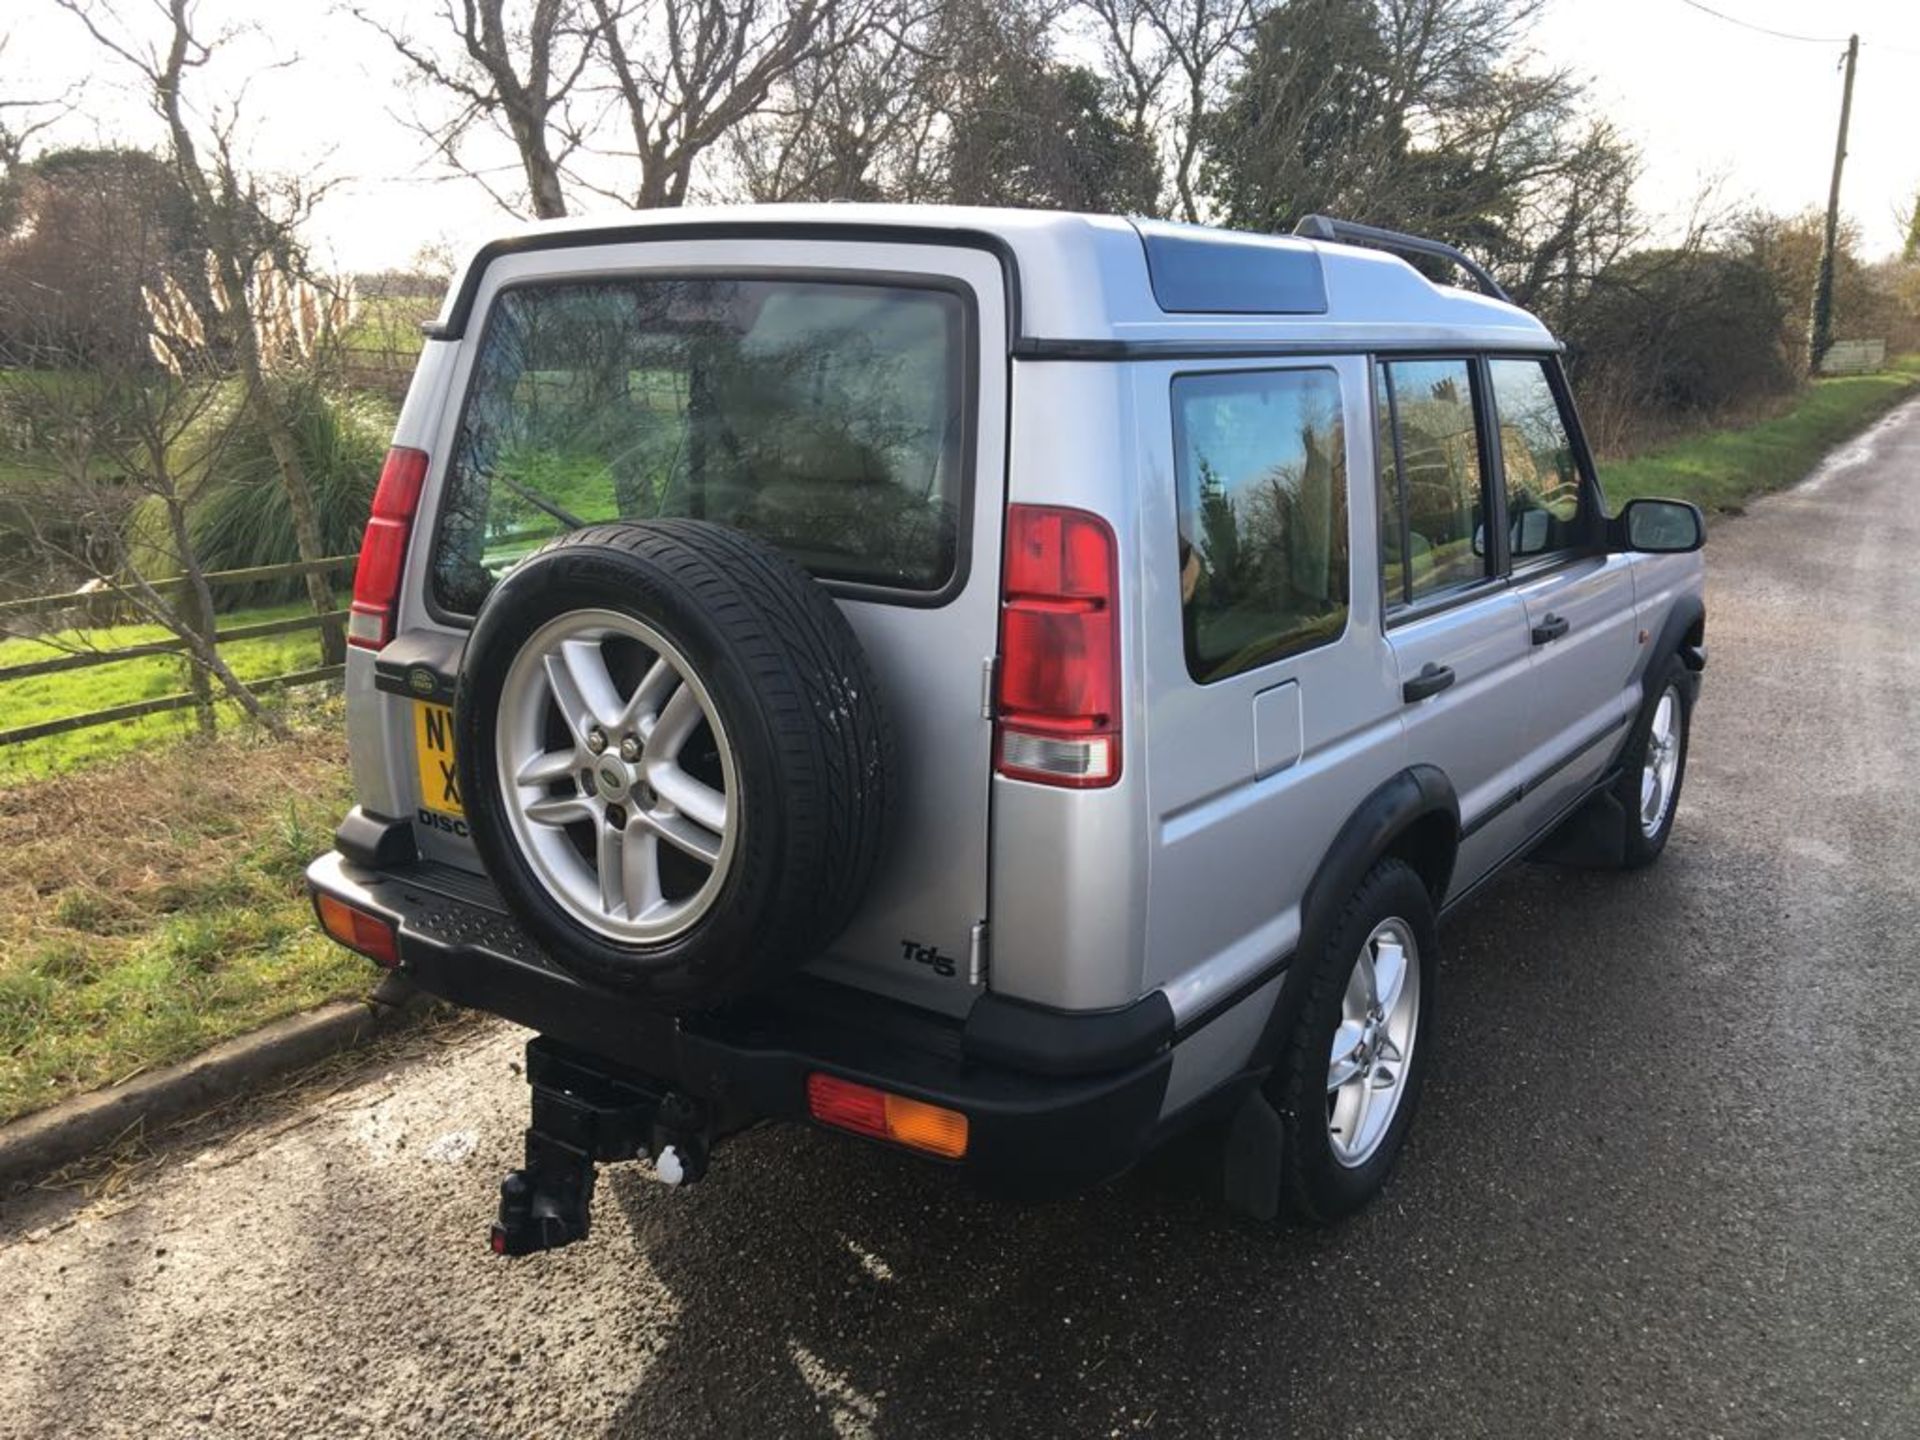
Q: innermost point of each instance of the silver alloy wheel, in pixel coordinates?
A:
(1662, 762)
(1373, 1044)
(622, 774)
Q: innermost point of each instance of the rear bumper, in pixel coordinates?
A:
(1030, 1132)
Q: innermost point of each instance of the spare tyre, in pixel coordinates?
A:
(674, 758)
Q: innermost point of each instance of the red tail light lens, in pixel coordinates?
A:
(383, 549)
(842, 1103)
(1059, 709)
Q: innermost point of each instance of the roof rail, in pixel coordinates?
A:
(1350, 232)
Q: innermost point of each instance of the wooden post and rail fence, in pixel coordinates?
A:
(82, 600)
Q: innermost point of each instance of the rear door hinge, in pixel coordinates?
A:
(977, 954)
(989, 671)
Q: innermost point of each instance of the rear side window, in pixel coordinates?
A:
(826, 418)
(1432, 500)
(1543, 482)
(1260, 467)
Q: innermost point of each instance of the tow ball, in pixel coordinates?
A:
(585, 1116)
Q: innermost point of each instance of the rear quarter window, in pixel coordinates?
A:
(827, 417)
(1260, 469)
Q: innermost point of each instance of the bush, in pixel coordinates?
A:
(240, 516)
(1679, 335)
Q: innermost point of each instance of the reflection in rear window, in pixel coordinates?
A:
(826, 418)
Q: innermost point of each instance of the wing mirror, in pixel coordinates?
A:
(1658, 527)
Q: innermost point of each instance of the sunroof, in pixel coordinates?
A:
(1197, 272)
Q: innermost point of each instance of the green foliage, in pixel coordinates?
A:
(1344, 107)
(1307, 119)
(388, 325)
(239, 514)
(1720, 469)
(187, 938)
(1679, 332)
(82, 233)
(1051, 136)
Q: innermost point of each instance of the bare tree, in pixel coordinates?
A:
(244, 225)
(852, 124)
(1173, 59)
(124, 448)
(24, 116)
(685, 73)
(622, 98)
(516, 72)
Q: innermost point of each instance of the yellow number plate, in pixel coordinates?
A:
(433, 746)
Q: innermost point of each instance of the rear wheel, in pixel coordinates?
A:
(1349, 1082)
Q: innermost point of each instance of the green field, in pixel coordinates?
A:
(388, 325)
(153, 905)
(73, 692)
(1722, 469)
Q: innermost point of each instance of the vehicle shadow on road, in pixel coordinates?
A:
(831, 1288)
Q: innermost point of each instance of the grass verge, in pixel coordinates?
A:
(75, 692)
(153, 906)
(1722, 469)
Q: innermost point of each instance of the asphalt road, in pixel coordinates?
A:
(1664, 1180)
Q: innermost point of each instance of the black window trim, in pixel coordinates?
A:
(1174, 430)
(855, 590)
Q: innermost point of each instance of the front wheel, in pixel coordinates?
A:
(1655, 764)
(1350, 1080)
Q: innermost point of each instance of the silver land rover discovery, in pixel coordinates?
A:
(1013, 686)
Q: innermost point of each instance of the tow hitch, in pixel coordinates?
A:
(584, 1116)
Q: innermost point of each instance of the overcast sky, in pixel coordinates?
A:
(1705, 98)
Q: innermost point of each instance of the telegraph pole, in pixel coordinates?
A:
(1820, 329)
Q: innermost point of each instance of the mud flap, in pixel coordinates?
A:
(1250, 1172)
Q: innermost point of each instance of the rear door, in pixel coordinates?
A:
(1458, 633)
(845, 400)
(1578, 598)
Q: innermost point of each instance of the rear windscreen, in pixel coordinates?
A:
(827, 418)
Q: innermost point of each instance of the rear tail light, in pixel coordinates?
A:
(1059, 701)
(383, 550)
(372, 936)
(867, 1111)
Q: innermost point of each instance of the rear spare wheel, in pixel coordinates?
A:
(676, 765)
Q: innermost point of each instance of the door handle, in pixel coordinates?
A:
(1431, 680)
(1551, 628)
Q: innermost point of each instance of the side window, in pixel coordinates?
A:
(1543, 482)
(1432, 497)
(1260, 467)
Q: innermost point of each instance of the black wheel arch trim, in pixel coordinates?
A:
(1404, 800)
(1369, 832)
(1686, 611)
